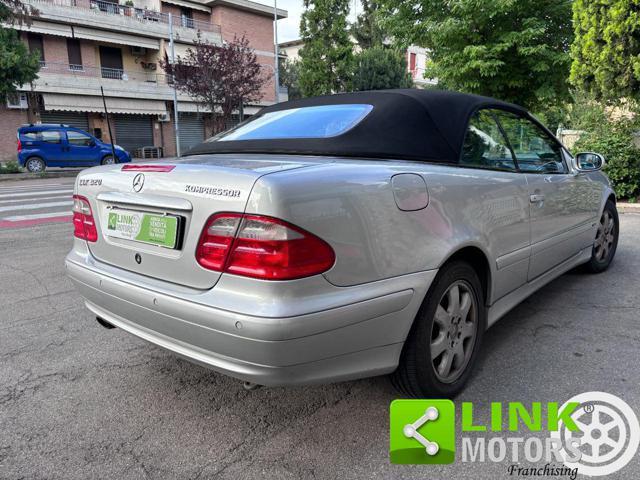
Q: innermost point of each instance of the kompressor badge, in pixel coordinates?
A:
(212, 191)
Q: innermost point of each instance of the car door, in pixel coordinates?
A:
(82, 148)
(560, 210)
(51, 147)
(504, 199)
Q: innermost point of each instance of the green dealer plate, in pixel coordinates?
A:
(143, 227)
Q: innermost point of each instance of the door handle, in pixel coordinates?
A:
(536, 198)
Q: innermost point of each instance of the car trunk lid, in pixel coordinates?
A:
(149, 221)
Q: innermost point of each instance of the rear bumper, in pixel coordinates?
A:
(348, 339)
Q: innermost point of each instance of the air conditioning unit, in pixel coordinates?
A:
(138, 51)
(164, 118)
(17, 101)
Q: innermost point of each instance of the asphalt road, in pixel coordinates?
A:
(79, 401)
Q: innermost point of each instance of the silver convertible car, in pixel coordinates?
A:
(341, 237)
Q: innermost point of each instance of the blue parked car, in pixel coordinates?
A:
(56, 145)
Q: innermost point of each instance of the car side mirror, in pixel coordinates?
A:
(92, 143)
(589, 161)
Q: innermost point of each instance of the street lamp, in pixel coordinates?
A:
(276, 72)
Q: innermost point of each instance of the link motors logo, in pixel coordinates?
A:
(608, 435)
(594, 434)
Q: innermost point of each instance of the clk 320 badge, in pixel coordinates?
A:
(212, 191)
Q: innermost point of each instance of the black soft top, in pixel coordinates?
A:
(410, 124)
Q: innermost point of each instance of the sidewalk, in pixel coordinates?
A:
(65, 172)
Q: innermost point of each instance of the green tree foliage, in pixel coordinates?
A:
(290, 78)
(613, 137)
(379, 68)
(611, 132)
(366, 30)
(327, 55)
(515, 50)
(17, 65)
(606, 50)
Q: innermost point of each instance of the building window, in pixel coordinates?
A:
(36, 44)
(186, 15)
(74, 53)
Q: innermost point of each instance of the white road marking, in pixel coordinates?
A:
(38, 185)
(58, 197)
(35, 206)
(34, 193)
(16, 218)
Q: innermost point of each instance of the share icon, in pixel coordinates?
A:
(411, 430)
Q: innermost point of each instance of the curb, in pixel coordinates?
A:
(624, 207)
(6, 177)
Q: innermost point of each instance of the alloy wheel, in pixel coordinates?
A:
(454, 331)
(34, 165)
(604, 237)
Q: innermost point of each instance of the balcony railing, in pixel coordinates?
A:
(140, 14)
(82, 71)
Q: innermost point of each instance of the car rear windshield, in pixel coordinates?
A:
(306, 122)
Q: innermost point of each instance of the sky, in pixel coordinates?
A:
(288, 28)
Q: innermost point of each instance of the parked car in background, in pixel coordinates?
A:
(56, 145)
(341, 237)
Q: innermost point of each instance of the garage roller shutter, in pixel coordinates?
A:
(73, 119)
(133, 131)
(191, 130)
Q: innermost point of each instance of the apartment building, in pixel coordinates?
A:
(88, 44)
(416, 60)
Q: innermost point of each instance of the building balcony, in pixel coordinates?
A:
(103, 15)
(87, 80)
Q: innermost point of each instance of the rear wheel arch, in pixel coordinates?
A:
(477, 258)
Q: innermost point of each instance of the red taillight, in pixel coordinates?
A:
(19, 146)
(147, 168)
(261, 247)
(84, 226)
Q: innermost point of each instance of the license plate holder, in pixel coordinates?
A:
(160, 229)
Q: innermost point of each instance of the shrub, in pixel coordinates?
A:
(10, 167)
(613, 138)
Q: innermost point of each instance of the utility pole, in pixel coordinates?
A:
(175, 92)
(276, 72)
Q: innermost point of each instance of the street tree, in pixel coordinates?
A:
(606, 49)
(221, 78)
(366, 30)
(18, 66)
(517, 51)
(327, 55)
(290, 78)
(379, 68)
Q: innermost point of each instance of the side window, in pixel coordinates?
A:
(50, 136)
(77, 138)
(484, 145)
(535, 151)
(29, 137)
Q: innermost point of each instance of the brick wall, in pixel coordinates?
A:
(10, 120)
(55, 49)
(167, 134)
(259, 31)
(257, 28)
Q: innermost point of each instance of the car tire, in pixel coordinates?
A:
(35, 165)
(109, 160)
(442, 324)
(606, 241)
